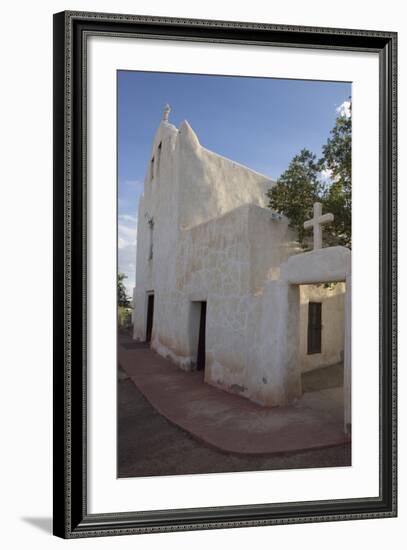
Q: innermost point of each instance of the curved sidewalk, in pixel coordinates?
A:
(229, 422)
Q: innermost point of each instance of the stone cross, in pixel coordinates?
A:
(167, 110)
(316, 224)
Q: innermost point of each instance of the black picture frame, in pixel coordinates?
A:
(71, 518)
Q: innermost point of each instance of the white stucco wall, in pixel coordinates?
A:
(159, 202)
(211, 184)
(190, 185)
(222, 262)
(214, 241)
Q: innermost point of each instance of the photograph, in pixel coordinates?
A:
(234, 239)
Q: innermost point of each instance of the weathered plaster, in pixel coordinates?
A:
(214, 240)
(325, 265)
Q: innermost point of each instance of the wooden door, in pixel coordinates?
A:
(150, 317)
(200, 360)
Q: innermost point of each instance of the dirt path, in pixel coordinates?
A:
(148, 444)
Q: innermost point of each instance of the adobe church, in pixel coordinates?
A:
(221, 283)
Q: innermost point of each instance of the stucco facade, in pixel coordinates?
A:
(206, 235)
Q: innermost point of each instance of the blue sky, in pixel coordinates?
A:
(259, 122)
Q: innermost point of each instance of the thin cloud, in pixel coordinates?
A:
(127, 218)
(344, 109)
(127, 235)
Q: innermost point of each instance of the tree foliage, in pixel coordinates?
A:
(337, 161)
(122, 298)
(296, 191)
(327, 180)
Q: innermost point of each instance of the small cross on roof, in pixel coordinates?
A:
(167, 110)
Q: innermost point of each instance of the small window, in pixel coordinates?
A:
(314, 327)
(152, 169)
(159, 148)
(150, 247)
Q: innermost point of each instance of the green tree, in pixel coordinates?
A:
(296, 191)
(337, 198)
(122, 298)
(327, 180)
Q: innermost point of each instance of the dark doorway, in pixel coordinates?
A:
(150, 316)
(314, 327)
(200, 360)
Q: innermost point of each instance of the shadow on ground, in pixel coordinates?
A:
(43, 523)
(323, 378)
(149, 445)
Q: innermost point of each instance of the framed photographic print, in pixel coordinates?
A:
(224, 274)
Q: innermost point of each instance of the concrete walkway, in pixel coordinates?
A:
(229, 422)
